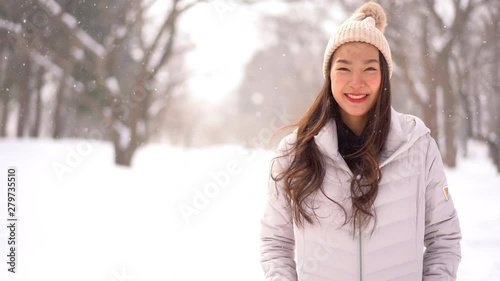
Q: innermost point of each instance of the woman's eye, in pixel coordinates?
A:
(343, 69)
(371, 68)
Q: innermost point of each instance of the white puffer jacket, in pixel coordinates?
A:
(417, 233)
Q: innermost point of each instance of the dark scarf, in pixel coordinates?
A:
(349, 143)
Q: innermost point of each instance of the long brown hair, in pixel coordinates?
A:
(305, 174)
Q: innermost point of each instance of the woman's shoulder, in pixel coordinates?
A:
(287, 142)
(410, 123)
(408, 132)
(408, 127)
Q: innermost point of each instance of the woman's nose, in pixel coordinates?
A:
(356, 82)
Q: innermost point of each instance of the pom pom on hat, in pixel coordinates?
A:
(374, 10)
(366, 25)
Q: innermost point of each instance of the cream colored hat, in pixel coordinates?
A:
(367, 25)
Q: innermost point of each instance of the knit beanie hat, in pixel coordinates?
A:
(367, 25)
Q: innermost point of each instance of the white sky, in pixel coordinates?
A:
(226, 41)
(226, 36)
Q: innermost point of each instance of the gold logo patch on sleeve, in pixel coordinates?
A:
(446, 193)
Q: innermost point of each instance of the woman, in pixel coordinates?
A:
(358, 191)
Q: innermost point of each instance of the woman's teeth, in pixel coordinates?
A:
(356, 97)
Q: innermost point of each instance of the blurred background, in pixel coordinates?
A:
(186, 95)
(198, 73)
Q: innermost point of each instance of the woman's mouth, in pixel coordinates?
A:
(356, 98)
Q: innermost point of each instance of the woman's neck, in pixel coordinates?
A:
(355, 123)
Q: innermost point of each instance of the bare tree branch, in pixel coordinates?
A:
(405, 70)
(167, 23)
(433, 12)
(10, 26)
(167, 54)
(70, 24)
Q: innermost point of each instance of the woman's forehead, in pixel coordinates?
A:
(356, 51)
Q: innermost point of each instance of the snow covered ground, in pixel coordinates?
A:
(93, 221)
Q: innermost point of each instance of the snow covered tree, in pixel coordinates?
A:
(121, 62)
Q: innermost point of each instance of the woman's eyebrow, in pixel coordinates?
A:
(371, 60)
(349, 62)
(344, 61)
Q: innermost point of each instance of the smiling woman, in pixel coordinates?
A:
(355, 76)
(360, 175)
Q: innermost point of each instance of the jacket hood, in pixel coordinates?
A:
(405, 130)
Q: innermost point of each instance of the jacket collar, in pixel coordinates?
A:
(402, 134)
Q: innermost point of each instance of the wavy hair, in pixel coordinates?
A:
(304, 176)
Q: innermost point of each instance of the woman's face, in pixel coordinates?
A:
(355, 76)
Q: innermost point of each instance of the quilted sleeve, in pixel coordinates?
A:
(442, 229)
(277, 248)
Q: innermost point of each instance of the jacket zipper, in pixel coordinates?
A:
(360, 255)
(345, 167)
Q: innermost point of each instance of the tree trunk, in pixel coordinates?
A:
(37, 92)
(466, 103)
(123, 157)
(56, 119)
(495, 150)
(123, 152)
(4, 97)
(450, 116)
(429, 111)
(61, 91)
(24, 97)
(451, 120)
(4, 117)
